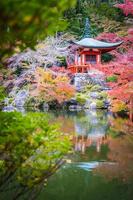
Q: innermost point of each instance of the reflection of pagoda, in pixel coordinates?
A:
(88, 52)
(90, 132)
(83, 142)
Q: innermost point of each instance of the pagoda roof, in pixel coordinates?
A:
(96, 44)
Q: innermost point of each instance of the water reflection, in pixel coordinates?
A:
(100, 167)
(83, 142)
(90, 131)
(89, 128)
(121, 153)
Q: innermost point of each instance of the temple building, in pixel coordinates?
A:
(88, 51)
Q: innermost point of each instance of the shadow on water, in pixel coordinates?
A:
(100, 168)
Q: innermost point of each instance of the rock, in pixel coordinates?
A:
(87, 104)
(94, 95)
(9, 108)
(129, 21)
(75, 108)
(45, 107)
(81, 80)
(9, 86)
(70, 102)
(93, 105)
(23, 82)
(73, 101)
(107, 103)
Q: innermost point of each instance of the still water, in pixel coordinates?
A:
(101, 167)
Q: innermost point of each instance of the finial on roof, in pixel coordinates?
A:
(86, 33)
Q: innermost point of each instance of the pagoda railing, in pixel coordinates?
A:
(79, 68)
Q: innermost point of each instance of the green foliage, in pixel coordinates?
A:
(110, 12)
(92, 88)
(113, 133)
(111, 78)
(99, 103)
(81, 99)
(23, 22)
(2, 167)
(107, 57)
(2, 93)
(103, 95)
(88, 87)
(30, 146)
(98, 12)
(62, 61)
(95, 88)
(33, 102)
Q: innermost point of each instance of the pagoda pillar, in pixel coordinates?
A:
(79, 60)
(99, 58)
(83, 59)
(76, 58)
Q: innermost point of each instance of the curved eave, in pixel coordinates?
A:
(96, 44)
(105, 50)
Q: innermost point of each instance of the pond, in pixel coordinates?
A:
(101, 165)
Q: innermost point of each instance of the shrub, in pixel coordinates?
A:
(52, 86)
(2, 93)
(95, 88)
(30, 147)
(111, 78)
(107, 57)
(100, 103)
(80, 98)
(103, 95)
(119, 106)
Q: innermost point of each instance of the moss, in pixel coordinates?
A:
(11, 100)
(81, 99)
(2, 93)
(92, 88)
(89, 86)
(100, 103)
(96, 88)
(103, 95)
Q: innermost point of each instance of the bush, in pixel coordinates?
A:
(2, 94)
(119, 106)
(81, 99)
(52, 86)
(100, 103)
(111, 78)
(107, 57)
(95, 88)
(30, 147)
(103, 95)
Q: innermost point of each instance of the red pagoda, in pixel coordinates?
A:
(88, 52)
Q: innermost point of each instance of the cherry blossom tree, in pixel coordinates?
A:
(46, 53)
